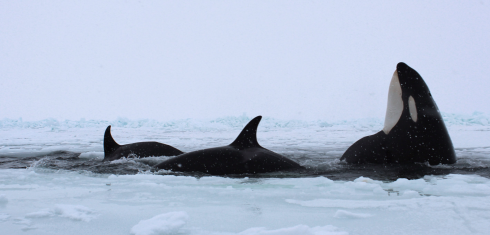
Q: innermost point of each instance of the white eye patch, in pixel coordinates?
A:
(412, 108)
(395, 104)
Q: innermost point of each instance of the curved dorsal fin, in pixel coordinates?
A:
(110, 144)
(248, 136)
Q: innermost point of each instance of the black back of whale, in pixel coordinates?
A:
(426, 140)
(113, 150)
(243, 156)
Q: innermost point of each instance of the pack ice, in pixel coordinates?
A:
(73, 195)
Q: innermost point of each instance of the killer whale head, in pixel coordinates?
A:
(413, 131)
(408, 97)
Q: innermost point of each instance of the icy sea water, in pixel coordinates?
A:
(317, 163)
(53, 181)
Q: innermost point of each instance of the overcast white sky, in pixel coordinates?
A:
(204, 59)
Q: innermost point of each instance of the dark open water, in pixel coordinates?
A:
(317, 163)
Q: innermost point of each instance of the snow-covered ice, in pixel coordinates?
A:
(166, 223)
(58, 202)
(347, 214)
(66, 189)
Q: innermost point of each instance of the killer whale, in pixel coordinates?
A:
(243, 156)
(113, 151)
(414, 130)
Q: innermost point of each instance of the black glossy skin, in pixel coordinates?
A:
(426, 140)
(243, 156)
(113, 150)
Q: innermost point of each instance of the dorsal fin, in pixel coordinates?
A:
(248, 136)
(110, 144)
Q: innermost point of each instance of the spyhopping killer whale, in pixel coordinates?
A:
(413, 130)
(244, 155)
(113, 150)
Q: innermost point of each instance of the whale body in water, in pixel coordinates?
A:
(113, 151)
(243, 156)
(414, 130)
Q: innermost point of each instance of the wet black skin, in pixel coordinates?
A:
(426, 140)
(113, 150)
(243, 156)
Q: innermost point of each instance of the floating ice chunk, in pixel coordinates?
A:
(92, 155)
(367, 180)
(367, 185)
(341, 214)
(75, 212)
(410, 194)
(167, 223)
(402, 183)
(296, 230)
(41, 214)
